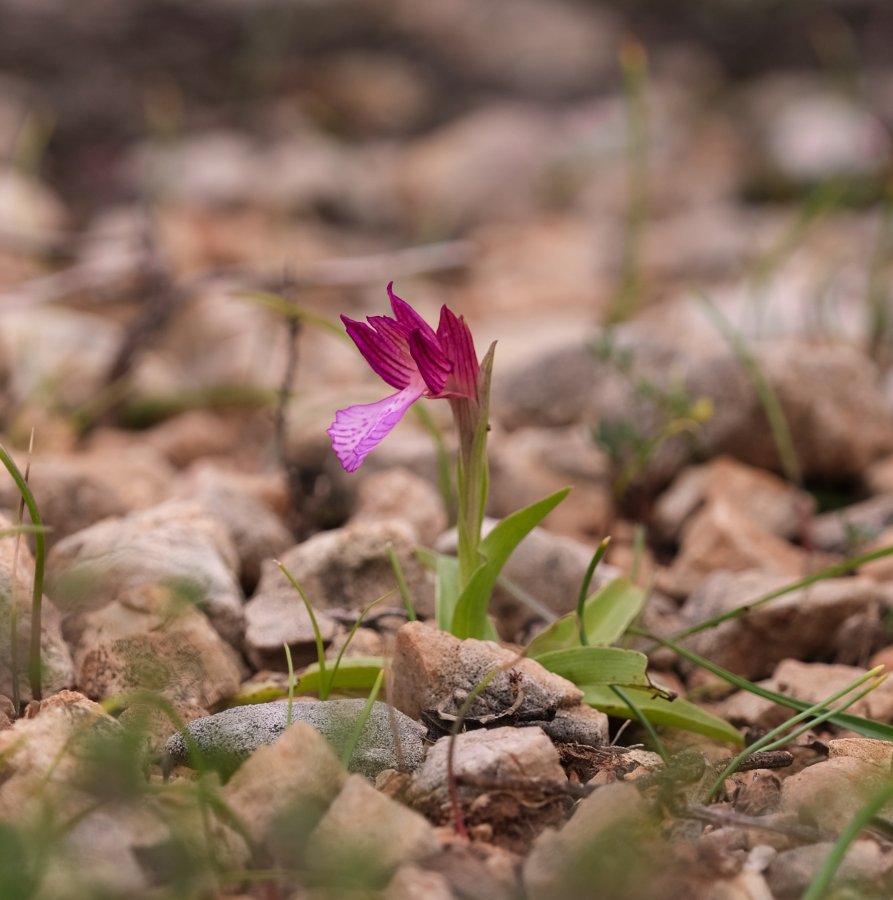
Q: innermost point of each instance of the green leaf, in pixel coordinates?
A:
(355, 673)
(470, 617)
(587, 666)
(446, 590)
(606, 616)
(676, 713)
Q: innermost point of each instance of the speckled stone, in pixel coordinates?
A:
(390, 739)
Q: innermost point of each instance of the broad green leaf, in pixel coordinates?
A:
(607, 614)
(587, 666)
(470, 617)
(355, 673)
(676, 713)
(611, 610)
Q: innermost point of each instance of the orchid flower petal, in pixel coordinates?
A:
(455, 339)
(386, 351)
(407, 316)
(432, 364)
(358, 430)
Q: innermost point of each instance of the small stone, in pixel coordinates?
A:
(498, 773)
(350, 567)
(852, 527)
(389, 739)
(411, 882)
(176, 543)
(37, 757)
(757, 792)
(256, 531)
(828, 794)
(792, 871)
(595, 844)
(400, 494)
(433, 670)
(578, 725)
(149, 639)
(774, 505)
(722, 537)
(283, 789)
(878, 753)
(802, 624)
(364, 837)
(811, 683)
(276, 617)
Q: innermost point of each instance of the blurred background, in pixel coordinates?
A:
(544, 167)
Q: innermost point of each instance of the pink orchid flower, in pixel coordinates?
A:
(411, 357)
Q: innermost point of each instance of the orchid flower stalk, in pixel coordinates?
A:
(410, 356)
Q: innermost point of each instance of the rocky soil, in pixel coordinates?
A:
(684, 253)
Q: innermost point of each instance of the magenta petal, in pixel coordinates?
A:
(433, 365)
(386, 351)
(458, 345)
(358, 430)
(407, 316)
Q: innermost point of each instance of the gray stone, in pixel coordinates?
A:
(390, 740)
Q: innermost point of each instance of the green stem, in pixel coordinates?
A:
(472, 475)
(34, 663)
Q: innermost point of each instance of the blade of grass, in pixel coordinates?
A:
(317, 634)
(350, 636)
(401, 583)
(597, 557)
(775, 415)
(842, 568)
(291, 682)
(34, 661)
(360, 724)
(865, 727)
(815, 715)
(644, 722)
